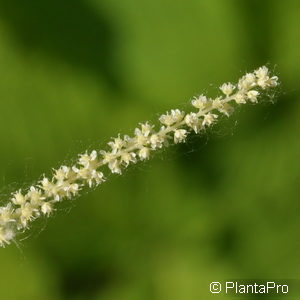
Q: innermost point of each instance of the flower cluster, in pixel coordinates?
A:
(66, 182)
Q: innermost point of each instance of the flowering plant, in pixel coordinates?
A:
(176, 125)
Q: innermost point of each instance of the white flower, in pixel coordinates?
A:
(88, 160)
(61, 173)
(144, 153)
(56, 190)
(273, 81)
(222, 106)
(117, 144)
(173, 117)
(6, 214)
(6, 235)
(107, 156)
(263, 83)
(200, 102)
(156, 141)
(252, 95)
(267, 82)
(47, 208)
(35, 196)
(65, 173)
(209, 119)
(246, 82)
(227, 109)
(140, 139)
(180, 135)
(50, 189)
(263, 79)
(89, 175)
(115, 166)
(192, 120)
(26, 213)
(166, 119)
(112, 161)
(95, 177)
(227, 88)
(18, 198)
(81, 172)
(240, 98)
(217, 103)
(127, 157)
(71, 189)
(141, 135)
(145, 130)
(262, 72)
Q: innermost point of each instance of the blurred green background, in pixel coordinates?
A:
(226, 205)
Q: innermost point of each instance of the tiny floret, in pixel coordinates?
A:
(88, 160)
(142, 134)
(62, 173)
(50, 188)
(117, 145)
(47, 208)
(145, 129)
(6, 235)
(209, 119)
(192, 120)
(71, 189)
(200, 102)
(18, 198)
(263, 78)
(26, 213)
(262, 72)
(144, 153)
(156, 141)
(173, 117)
(223, 107)
(240, 98)
(252, 96)
(128, 157)
(180, 135)
(227, 88)
(246, 82)
(35, 197)
(6, 214)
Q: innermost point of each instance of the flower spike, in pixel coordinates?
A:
(67, 181)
